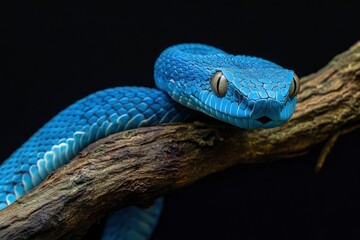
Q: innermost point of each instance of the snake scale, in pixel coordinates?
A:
(245, 91)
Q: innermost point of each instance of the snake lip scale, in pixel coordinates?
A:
(245, 91)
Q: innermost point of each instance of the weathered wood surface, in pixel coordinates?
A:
(134, 167)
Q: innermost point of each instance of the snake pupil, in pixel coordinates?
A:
(295, 87)
(218, 83)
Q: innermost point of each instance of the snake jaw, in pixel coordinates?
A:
(235, 114)
(235, 107)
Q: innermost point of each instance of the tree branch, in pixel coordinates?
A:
(136, 166)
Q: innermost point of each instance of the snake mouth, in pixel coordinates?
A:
(236, 116)
(250, 116)
(264, 119)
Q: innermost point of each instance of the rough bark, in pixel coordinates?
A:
(134, 167)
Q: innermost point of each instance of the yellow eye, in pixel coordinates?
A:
(295, 87)
(219, 84)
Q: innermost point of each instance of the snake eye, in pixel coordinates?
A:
(295, 86)
(219, 84)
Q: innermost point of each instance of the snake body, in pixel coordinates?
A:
(247, 92)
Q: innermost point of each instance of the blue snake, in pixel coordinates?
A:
(244, 91)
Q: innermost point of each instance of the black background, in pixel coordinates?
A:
(56, 53)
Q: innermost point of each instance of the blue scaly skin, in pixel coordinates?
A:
(259, 93)
(244, 91)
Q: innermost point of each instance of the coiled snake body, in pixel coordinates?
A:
(244, 91)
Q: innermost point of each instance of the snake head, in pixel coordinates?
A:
(244, 91)
(252, 97)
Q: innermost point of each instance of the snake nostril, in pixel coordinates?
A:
(263, 119)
